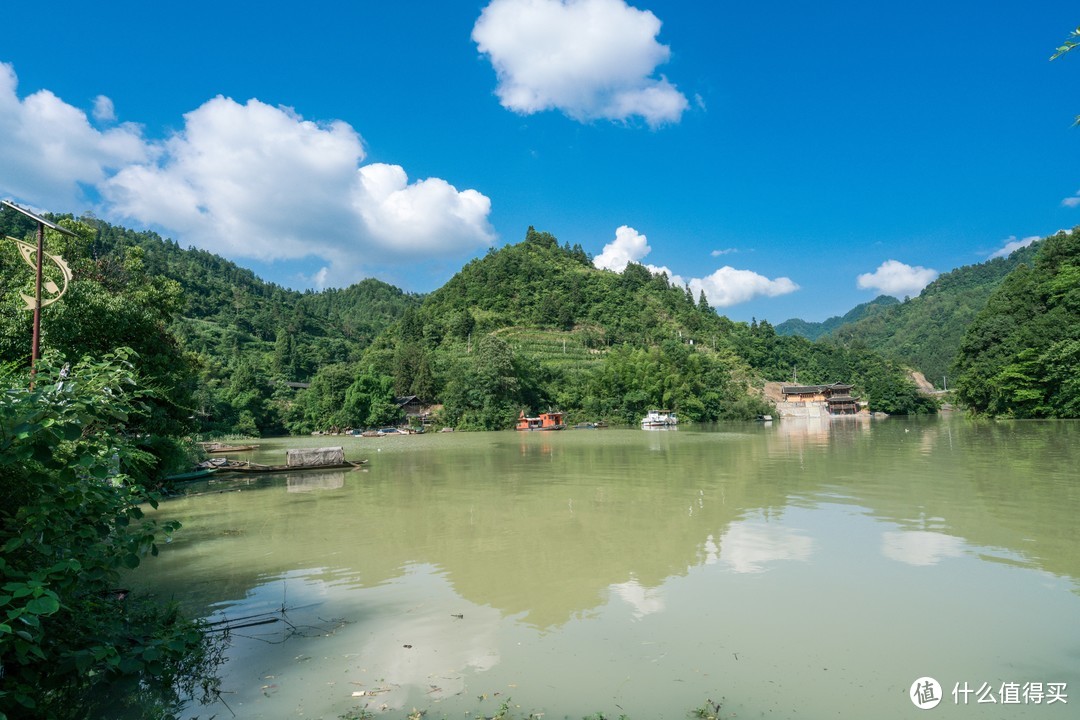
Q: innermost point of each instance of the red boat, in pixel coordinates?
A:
(546, 421)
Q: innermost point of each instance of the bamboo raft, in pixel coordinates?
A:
(250, 467)
(328, 458)
(210, 448)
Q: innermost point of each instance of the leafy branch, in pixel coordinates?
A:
(1071, 42)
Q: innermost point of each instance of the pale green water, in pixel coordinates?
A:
(793, 570)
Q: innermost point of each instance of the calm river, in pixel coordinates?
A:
(786, 570)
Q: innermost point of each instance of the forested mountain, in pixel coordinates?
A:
(530, 326)
(924, 332)
(1020, 356)
(814, 330)
(328, 326)
(240, 338)
(534, 326)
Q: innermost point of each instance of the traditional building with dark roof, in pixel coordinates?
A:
(836, 396)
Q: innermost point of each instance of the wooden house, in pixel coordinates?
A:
(414, 409)
(836, 397)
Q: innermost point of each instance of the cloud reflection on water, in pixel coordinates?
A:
(643, 600)
(383, 646)
(749, 546)
(920, 547)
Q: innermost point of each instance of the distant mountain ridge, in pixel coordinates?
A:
(923, 332)
(814, 330)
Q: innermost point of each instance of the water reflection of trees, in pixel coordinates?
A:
(545, 528)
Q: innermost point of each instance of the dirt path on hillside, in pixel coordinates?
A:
(924, 385)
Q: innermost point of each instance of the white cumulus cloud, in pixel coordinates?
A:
(728, 286)
(421, 216)
(897, 279)
(49, 149)
(628, 246)
(259, 181)
(590, 59)
(1073, 201)
(104, 111)
(723, 288)
(251, 180)
(1012, 244)
(243, 180)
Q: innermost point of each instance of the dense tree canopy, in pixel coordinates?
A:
(111, 302)
(1020, 355)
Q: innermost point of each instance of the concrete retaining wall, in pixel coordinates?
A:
(801, 410)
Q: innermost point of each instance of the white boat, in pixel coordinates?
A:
(659, 418)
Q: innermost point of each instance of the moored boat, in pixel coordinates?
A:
(659, 419)
(327, 458)
(545, 421)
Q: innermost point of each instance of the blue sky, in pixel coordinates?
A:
(791, 159)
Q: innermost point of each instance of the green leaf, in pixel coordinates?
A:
(44, 605)
(83, 662)
(13, 544)
(25, 700)
(129, 665)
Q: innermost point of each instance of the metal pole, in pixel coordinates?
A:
(36, 343)
(42, 223)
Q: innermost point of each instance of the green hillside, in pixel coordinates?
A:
(534, 326)
(815, 330)
(225, 303)
(240, 337)
(925, 332)
(1021, 354)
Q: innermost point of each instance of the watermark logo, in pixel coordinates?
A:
(925, 693)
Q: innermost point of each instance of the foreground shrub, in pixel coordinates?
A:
(72, 643)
